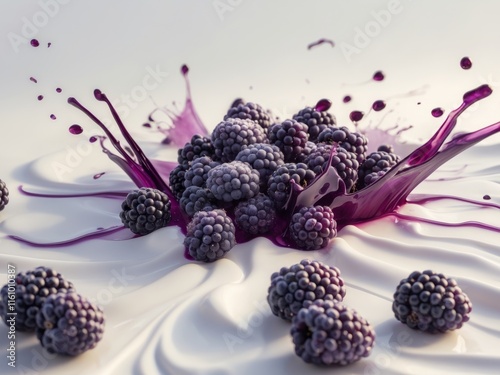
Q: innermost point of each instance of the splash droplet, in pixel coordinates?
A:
(356, 116)
(39, 97)
(34, 43)
(53, 117)
(486, 197)
(147, 125)
(378, 105)
(99, 175)
(184, 69)
(437, 112)
(378, 76)
(92, 139)
(33, 79)
(465, 63)
(323, 105)
(347, 99)
(75, 129)
(59, 90)
(49, 44)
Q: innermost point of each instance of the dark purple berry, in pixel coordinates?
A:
(312, 228)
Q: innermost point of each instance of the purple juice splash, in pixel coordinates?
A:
(465, 63)
(320, 42)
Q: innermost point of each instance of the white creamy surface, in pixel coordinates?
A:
(168, 315)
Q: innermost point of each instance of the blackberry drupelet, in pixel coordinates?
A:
(233, 181)
(4, 195)
(69, 324)
(431, 302)
(312, 228)
(298, 286)
(256, 215)
(386, 148)
(315, 120)
(350, 141)
(374, 176)
(197, 173)
(144, 210)
(278, 185)
(210, 235)
(264, 158)
(344, 162)
(328, 333)
(308, 148)
(375, 162)
(198, 146)
(290, 137)
(31, 290)
(195, 199)
(249, 111)
(176, 180)
(233, 135)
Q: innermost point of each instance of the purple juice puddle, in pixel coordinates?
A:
(378, 76)
(346, 99)
(465, 63)
(184, 124)
(378, 105)
(34, 43)
(437, 112)
(320, 42)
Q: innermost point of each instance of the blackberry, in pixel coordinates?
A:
(350, 141)
(249, 111)
(344, 162)
(264, 158)
(278, 185)
(298, 286)
(431, 302)
(233, 135)
(176, 180)
(69, 324)
(198, 146)
(328, 333)
(210, 235)
(233, 181)
(4, 195)
(144, 210)
(290, 136)
(31, 290)
(374, 176)
(197, 173)
(315, 120)
(375, 162)
(312, 228)
(386, 148)
(256, 215)
(195, 199)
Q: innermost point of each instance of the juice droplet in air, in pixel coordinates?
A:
(486, 197)
(53, 117)
(347, 99)
(39, 97)
(92, 139)
(356, 116)
(34, 43)
(98, 175)
(378, 76)
(33, 79)
(465, 63)
(49, 44)
(323, 105)
(378, 105)
(59, 90)
(147, 125)
(184, 70)
(75, 129)
(437, 112)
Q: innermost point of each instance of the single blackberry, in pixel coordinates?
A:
(233, 181)
(312, 228)
(264, 158)
(31, 289)
(278, 185)
(233, 135)
(198, 146)
(328, 333)
(315, 120)
(308, 148)
(431, 302)
(344, 162)
(176, 180)
(249, 111)
(195, 199)
(197, 173)
(4, 195)
(255, 215)
(69, 324)
(210, 235)
(350, 141)
(144, 210)
(290, 136)
(298, 286)
(375, 162)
